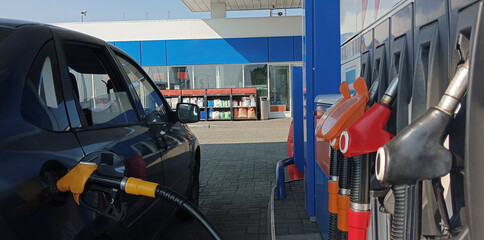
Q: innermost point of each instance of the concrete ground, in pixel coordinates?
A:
(236, 177)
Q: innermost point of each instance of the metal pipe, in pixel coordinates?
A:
(280, 177)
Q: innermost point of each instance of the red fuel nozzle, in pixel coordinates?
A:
(368, 133)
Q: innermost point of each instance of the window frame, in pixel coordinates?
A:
(169, 111)
(110, 64)
(59, 88)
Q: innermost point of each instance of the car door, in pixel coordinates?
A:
(36, 144)
(110, 122)
(178, 155)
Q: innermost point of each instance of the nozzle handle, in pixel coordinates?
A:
(75, 180)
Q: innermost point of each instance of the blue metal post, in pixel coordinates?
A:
(322, 66)
(309, 122)
(298, 117)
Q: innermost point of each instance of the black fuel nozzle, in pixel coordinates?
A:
(417, 152)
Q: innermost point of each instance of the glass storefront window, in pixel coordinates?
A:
(180, 77)
(230, 76)
(255, 75)
(158, 75)
(279, 88)
(205, 76)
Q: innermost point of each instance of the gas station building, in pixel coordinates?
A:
(289, 59)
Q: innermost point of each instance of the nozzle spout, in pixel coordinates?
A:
(373, 92)
(455, 91)
(391, 92)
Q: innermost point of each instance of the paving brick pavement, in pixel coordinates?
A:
(236, 176)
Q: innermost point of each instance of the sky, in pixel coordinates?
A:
(57, 11)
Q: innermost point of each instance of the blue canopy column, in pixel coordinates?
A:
(321, 75)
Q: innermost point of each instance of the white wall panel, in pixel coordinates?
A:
(190, 29)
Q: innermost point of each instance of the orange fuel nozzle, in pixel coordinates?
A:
(346, 113)
(345, 91)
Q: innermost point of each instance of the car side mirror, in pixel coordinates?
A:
(188, 113)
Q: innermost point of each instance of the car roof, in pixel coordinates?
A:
(15, 23)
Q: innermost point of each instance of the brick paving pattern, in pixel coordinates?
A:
(236, 177)
(290, 215)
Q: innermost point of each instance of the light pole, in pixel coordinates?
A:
(83, 13)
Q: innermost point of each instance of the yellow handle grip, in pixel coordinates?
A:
(76, 179)
(137, 186)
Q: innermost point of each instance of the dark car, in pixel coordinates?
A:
(68, 97)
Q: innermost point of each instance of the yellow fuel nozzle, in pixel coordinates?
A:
(75, 180)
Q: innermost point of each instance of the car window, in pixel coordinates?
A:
(102, 97)
(42, 100)
(152, 103)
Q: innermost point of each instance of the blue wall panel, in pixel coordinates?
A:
(132, 48)
(215, 51)
(153, 53)
(298, 48)
(281, 49)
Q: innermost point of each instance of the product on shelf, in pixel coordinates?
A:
(246, 102)
(217, 103)
(202, 115)
(229, 115)
(200, 102)
(242, 113)
(173, 102)
(216, 114)
(236, 113)
(251, 113)
(193, 100)
(253, 101)
(235, 103)
(186, 100)
(210, 114)
(211, 103)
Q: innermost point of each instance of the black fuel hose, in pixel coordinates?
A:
(344, 192)
(159, 192)
(333, 232)
(406, 219)
(180, 201)
(360, 181)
